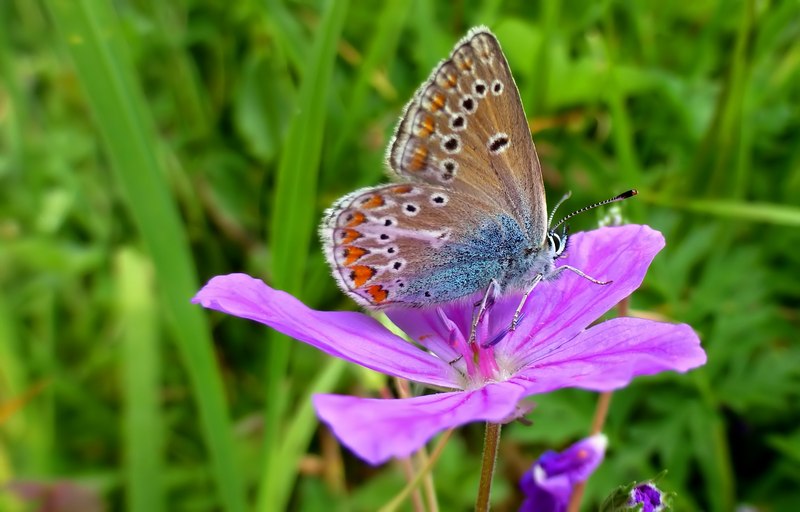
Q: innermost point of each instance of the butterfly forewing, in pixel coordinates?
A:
(465, 129)
(377, 237)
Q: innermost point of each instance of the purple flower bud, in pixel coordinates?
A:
(648, 496)
(549, 483)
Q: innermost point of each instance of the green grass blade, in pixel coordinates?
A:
(536, 92)
(294, 200)
(382, 47)
(288, 31)
(90, 32)
(293, 224)
(778, 214)
(11, 128)
(731, 147)
(141, 370)
(302, 427)
(622, 133)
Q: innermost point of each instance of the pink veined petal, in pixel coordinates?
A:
(428, 328)
(352, 336)
(377, 429)
(560, 309)
(610, 354)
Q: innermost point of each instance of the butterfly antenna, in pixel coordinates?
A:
(555, 208)
(622, 196)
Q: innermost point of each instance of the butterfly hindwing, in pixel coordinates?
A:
(404, 243)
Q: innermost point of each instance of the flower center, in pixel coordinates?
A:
(475, 362)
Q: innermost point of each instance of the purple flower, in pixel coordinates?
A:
(549, 483)
(648, 496)
(551, 348)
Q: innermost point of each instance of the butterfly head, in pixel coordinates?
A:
(557, 242)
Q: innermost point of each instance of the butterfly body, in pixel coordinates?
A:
(469, 209)
(499, 251)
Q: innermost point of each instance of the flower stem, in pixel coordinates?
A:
(431, 501)
(421, 458)
(601, 412)
(491, 443)
(406, 464)
(401, 497)
(408, 472)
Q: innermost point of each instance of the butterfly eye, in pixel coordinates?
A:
(556, 243)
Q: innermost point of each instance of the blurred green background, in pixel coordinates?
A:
(146, 146)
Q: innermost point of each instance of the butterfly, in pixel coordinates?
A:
(468, 210)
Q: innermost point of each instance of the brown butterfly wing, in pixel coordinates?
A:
(465, 129)
(407, 244)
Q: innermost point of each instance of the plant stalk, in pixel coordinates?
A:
(491, 443)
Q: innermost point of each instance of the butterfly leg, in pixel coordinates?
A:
(518, 312)
(539, 277)
(580, 273)
(483, 306)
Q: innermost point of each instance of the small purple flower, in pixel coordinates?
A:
(551, 348)
(549, 483)
(648, 496)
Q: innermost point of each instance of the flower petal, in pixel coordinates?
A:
(610, 354)
(439, 329)
(352, 336)
(560, 309)
(379, 429)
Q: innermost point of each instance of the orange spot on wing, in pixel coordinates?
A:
(451, 80)
(418, 159)
(378, 293)
(355, 219)
(375, 201)
(403, 189)
(425, 126)
(353, 254)
(437, 101)
(349, 236)
(465, 63)
(360, 274)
